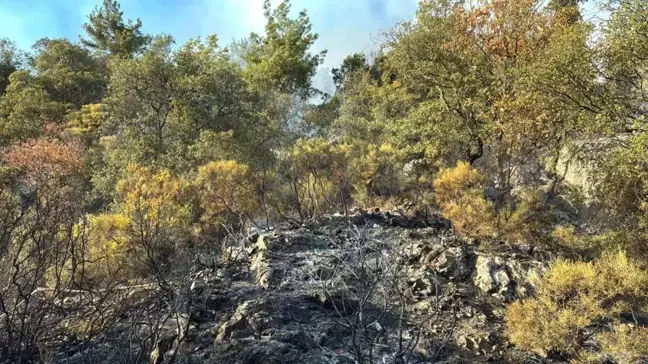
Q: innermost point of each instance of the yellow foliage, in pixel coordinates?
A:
(322, 175)
(148, 221)
(152, 197)
(459, 193)
(525, 222)
(377, 175)
(108, 244)
(453, 183)
(226, 187)
(321, 156)
(566, 235)
(471, 215)
(574, 295)
(88, 119)
(626, 343)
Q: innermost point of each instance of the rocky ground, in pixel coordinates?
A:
(374, 288)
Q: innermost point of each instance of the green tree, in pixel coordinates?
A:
(214, 98)
(623, 52)
(25, 109)
(280, 59)
(68, 73)
(108, 33)
(461, 78)
(351, 64)
(621, 171)
(321, 116)
(141, 98)
(11, 59)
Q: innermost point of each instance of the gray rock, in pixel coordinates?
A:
(161, 348)
(491, 277)
(260, 263)
(236, 323)
(453, 263)
(478, 344)
(506, 279)
(525, 276)
(424, 283)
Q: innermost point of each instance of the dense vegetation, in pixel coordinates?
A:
(124, 154)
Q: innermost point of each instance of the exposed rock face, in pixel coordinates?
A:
(453, 263)
(576, 162)
(236, 324)
(161, 347)
(260, 265)
(491, 276)
(505, 279)
(273, 308)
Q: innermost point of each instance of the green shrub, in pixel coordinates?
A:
(150, 219)
(459, 192)
(225, 188)
(572, 296)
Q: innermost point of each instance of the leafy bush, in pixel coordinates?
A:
(621, 189)
(88, 119)
(45, 160)
(225, 188)
(573, 296)
(109, 244)
(459, 192)
(379, 176)
(526, 219)
(626, 343)
(316, 177)
(150, 220)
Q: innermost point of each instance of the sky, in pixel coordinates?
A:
(344, 26)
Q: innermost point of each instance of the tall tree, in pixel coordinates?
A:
(68, 72)
(281, 59)
(10, 61)
(25, 109)
(108, 33)
(624, 52)
(460, 78)
(351, 64)
(141, 98)
(623, 172)
(214, 98)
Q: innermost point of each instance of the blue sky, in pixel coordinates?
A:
(344, 26)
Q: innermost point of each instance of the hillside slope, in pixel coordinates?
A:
(377, 287)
